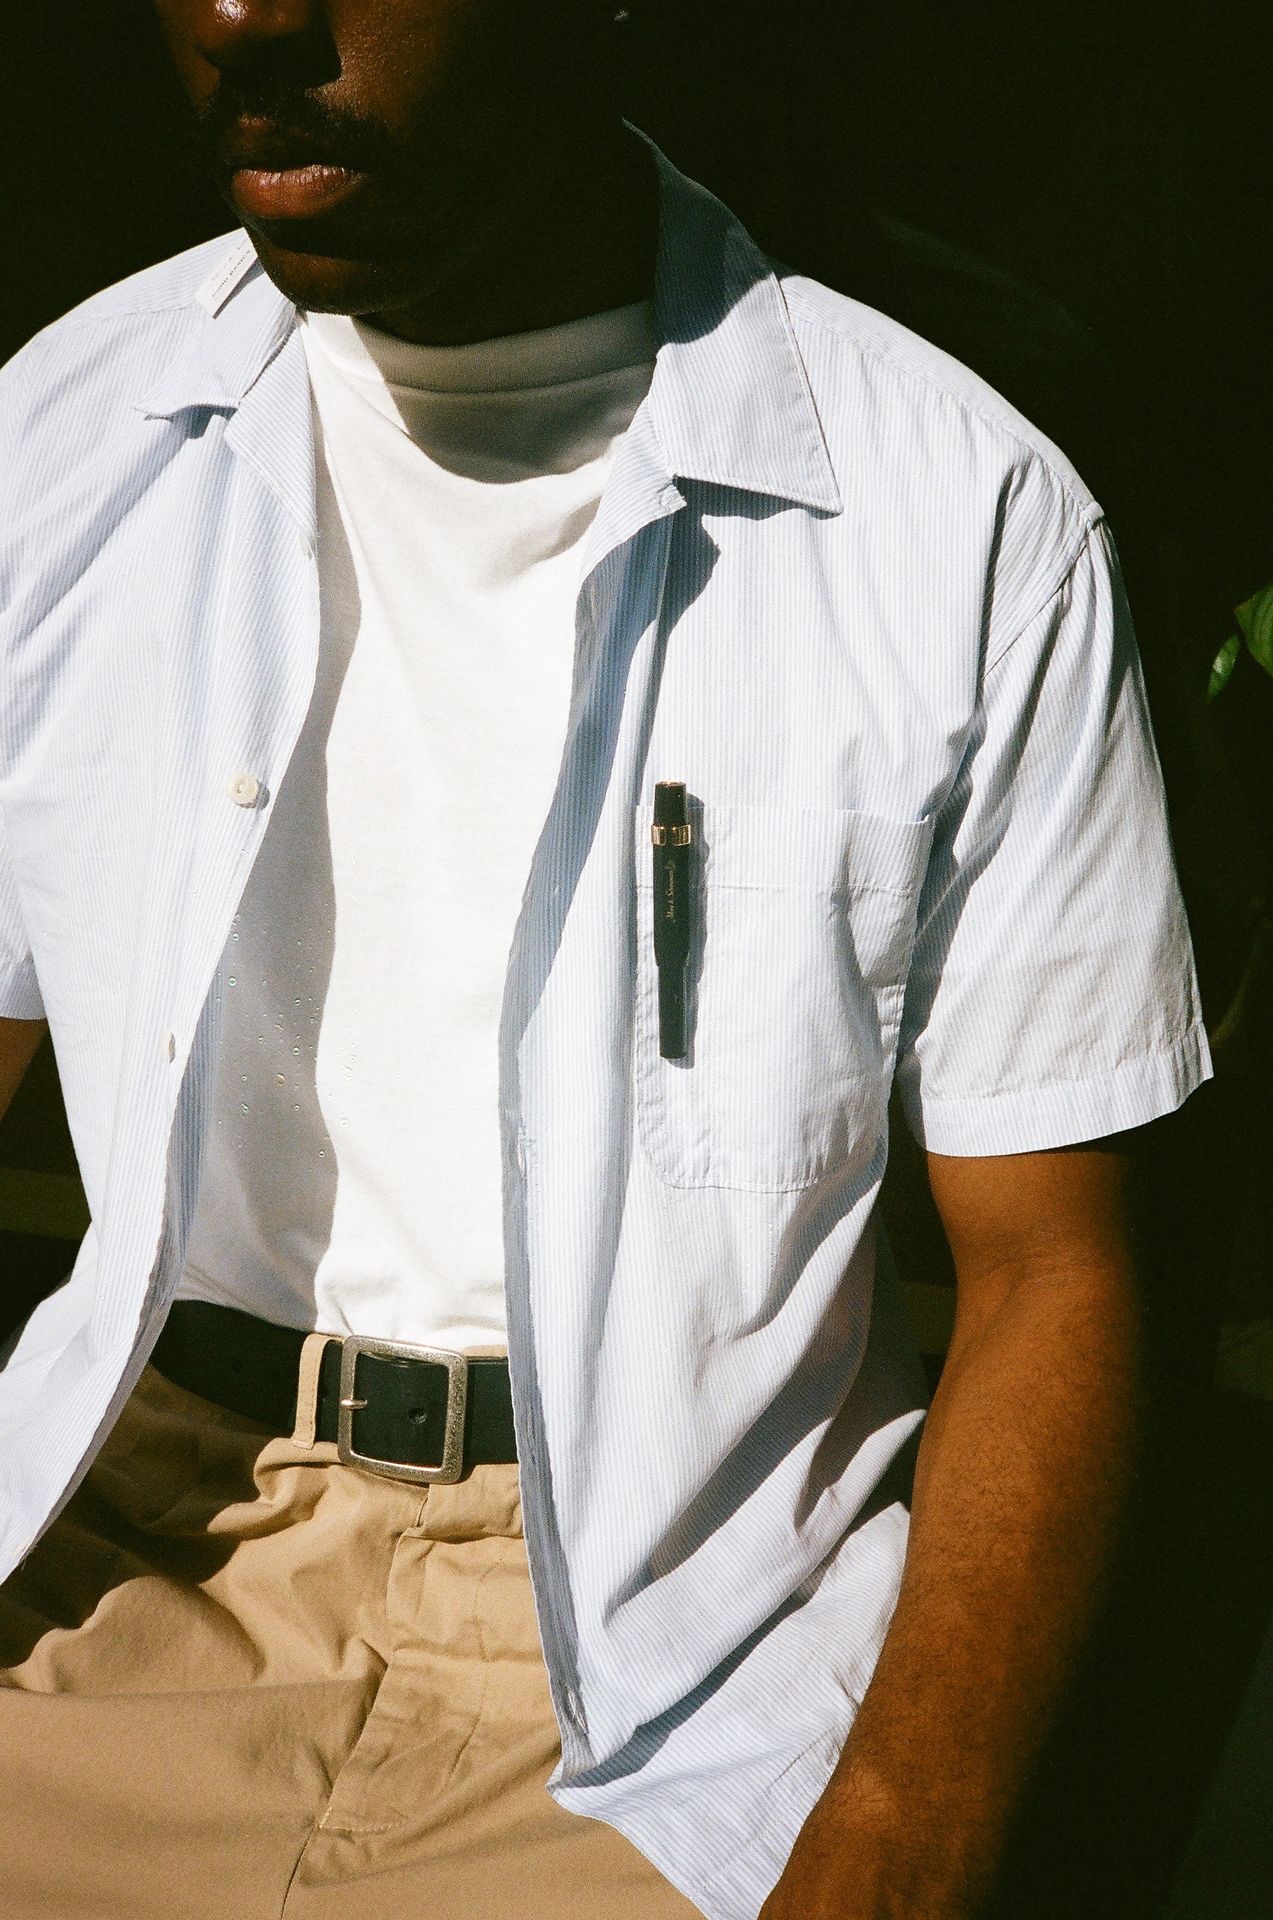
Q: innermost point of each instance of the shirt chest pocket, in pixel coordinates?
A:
(804, 923)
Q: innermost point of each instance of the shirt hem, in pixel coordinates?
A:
(739, 1889)
(1037, 1118)
(20, 997)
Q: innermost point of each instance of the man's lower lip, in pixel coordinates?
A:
(294, 193)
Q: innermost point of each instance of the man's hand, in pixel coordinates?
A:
(1022, 1495)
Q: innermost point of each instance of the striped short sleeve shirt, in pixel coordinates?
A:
(873, 620)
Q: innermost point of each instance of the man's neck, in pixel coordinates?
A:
(581, 240)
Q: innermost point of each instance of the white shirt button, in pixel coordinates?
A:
(244, 789)
(170, 1046)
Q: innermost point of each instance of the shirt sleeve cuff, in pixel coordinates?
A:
(1059, 1116)
(19, 991)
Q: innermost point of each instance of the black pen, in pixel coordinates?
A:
(673, 912)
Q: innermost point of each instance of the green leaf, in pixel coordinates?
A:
(1255, 617)
(1222, 666)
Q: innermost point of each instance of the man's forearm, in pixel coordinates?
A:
(1022, 1495)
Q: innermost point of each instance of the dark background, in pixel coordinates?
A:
(1075, 199)
(1111, 154)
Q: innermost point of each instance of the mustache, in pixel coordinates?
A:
(322, 131)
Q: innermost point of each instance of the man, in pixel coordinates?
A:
(369, 586)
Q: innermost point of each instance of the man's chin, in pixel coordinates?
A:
(334, 283)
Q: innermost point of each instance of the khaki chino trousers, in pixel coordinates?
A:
(240, 1681)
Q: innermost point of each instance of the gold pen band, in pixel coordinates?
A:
(670, 836)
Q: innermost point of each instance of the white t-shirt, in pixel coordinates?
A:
(353, 1178)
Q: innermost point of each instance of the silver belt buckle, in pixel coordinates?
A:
(451, 1465)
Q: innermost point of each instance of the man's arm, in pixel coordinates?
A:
(1022, 1497)
(18, 1042)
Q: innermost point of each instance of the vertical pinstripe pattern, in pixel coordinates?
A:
(873, 619)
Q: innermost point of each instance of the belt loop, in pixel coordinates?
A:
(307, 1388)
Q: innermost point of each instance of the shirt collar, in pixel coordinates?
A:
(730, 398)
(729, 402)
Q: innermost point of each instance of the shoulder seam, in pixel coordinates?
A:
(43, 345)
(916, 374)
(74, 321)
(116, 304)
(1063, 577)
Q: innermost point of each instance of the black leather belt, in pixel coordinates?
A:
(411, 1413)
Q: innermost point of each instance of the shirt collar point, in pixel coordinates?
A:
(239, 324)
(731, 393)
